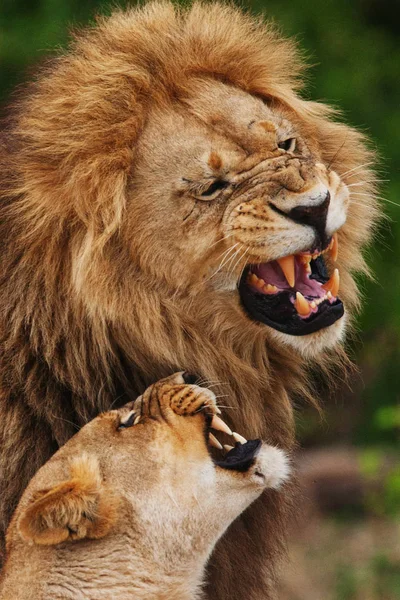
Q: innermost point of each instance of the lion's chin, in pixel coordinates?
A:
(311, 346)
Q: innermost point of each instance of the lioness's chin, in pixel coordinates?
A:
(310, 346)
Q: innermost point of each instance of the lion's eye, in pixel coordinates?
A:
(216, 186)
(288, 145)
(128, 421)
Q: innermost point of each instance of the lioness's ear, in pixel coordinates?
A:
(74, 509)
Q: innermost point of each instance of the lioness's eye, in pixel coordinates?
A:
(216, 186)
(128, 422)
(288, 145)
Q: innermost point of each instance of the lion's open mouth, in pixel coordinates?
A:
(293, 294)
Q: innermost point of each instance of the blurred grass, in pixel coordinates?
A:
(353, 47)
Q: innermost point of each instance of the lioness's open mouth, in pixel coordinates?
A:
(237, 458)
(293, 294)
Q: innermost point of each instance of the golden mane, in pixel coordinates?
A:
(66, 156)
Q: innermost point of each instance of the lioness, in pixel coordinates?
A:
(133, 504)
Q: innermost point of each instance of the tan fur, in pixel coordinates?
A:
(131, 513)
(116, 270)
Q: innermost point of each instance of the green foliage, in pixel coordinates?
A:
(377, 580)
(354, 50)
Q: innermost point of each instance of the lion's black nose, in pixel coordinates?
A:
(189, 379)
(314, 215)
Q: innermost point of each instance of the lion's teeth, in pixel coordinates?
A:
(214, 442)
(252, 278)
(313, 304)
(218, 424)
(333, 284)
(270, 289)
(301, 305)
(259, 283)
(228, 448)
(239, 438)
(287, 265)
(136, 421)
(334, 249)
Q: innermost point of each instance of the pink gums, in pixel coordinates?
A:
(272, 273)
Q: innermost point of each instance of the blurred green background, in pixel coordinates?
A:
(353, 46)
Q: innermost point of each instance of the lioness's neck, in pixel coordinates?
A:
(100, 570)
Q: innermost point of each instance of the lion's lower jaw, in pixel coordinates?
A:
(310, 346)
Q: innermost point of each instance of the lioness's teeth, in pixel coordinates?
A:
(306, 259)
(287, 265)
(334, 250)
(136, 421)
(228, 448)
(214, 442)
(301, 305)
(313, 304)
(218, 424)
(329, 295)
(333, 284)
(239, 438)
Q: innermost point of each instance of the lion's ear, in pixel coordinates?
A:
(78, 508)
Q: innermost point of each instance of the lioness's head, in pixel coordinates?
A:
(144, 477)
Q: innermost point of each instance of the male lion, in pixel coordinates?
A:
(139, 481)
(168, 201)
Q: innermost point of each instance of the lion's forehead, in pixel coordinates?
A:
(234, 130)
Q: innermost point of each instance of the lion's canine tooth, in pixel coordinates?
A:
(214, 442)
(333, 284)
(218, 424)
(287, 265)
(136, 421)
(301, 305)
(228, 448)
(334, 250)
(239, 438)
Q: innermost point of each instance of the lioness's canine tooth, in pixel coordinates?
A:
(333, 284)
(239, 438)
(301, 305)
(287, 265)
(228, 448)
(214, 442)
(220, 425)
(136, 421)
(335, 247)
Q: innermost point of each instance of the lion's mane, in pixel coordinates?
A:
(66, 155)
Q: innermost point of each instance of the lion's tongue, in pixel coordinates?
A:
(272, 273)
